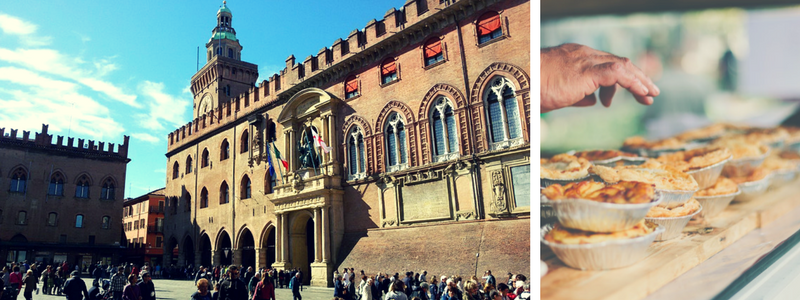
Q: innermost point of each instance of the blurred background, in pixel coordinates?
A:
(726, 64)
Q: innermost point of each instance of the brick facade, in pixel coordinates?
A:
(143, 228)
(307, 220)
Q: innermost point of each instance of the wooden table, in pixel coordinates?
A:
(668, 260)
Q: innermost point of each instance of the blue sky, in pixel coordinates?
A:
(103, 69)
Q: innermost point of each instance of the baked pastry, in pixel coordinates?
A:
(662, 176)
(565, 167)
(740, 147)
(757, 174)
(767, 135)
(723, 186)
(602, 154)
(620, 193)
(636, 142)
(794, 134)
(685, 209)
(695, 159)
(790, 155)
(714, 130)
(775, 163)
(563, 235)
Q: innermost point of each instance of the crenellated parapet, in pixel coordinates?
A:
(44, 141)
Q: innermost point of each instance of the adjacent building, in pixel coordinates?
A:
(60, 200)
(403, 147)
(143, 226)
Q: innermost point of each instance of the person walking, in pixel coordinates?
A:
(118, 283)
(265, 289)
(294, 284)
(338, 287)
(146, 287)
(75, 288)
(397, 291)
(251, 285)
(29, 282)
(232, 288)
(366, 289)
(202, 292)
(132, 291)
(98, 273)
(94, 291)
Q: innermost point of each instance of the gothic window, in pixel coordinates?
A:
(56, 187)
(443, 127)
(396, 142)
(351, 87)
(269, 183)
(175, 170)
(489, 27)
(189, 164)
(107, 192)
(204, 198)
(244, 143)
(204, 159)
(106, 222)
(18, 181)
(433, 51)
(52, 219)
(223, 193)
(187, 202)
(503, 113)
(388, 71)
(225, 150)
(22, 217)
(79, 221)
(356, 153)
(245, 188)
(82, 187)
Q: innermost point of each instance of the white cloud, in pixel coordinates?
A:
(145, 137)
(26, 77)
(164, 110)
(110, 90)
(16, 26)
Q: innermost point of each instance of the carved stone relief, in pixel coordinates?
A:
(499, 204)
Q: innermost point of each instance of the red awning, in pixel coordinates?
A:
(351, 85)
(433, 48)
(488, 22)
(388, 67)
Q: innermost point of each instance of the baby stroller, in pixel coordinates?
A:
(106, 286)
(10, 292)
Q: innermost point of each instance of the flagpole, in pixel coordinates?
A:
(279, 167)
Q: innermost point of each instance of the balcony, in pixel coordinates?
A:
(155, 229)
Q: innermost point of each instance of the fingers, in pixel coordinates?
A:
(589, 100)
(646, 81)
(610, 73)
(606, 94)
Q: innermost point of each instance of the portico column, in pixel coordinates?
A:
(292, 161)
(261, 258)
(326, 251)
(198, 258)
(279, 239)
(317, 234)
(285, 237)
(237, 257)
(331, 140)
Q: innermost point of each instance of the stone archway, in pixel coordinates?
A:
(268, 251)
(171, 252)
(247, 247)
(205, 251)
(224, 251)
(188, 251)
(301, 243)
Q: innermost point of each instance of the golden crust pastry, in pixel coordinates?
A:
(696, 158)
(602, 154)
(564, 166)
(740, 147)
(562, 235)
(757, 174)
(620, 193)
(767, 135)
(794, 134)
(640, 142)
(713, 130)
(790, 155)
(685, 209)
(723, 186)
(775, 163)
(663, 176)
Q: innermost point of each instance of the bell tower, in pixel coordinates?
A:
(225, 75)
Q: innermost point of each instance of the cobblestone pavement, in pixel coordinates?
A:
(167, 289)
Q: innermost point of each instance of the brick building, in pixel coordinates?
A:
(143, 226)
(427, 114)
(60, 201)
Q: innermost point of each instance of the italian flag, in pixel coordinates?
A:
(278, 157)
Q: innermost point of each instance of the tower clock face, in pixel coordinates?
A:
(205, 105)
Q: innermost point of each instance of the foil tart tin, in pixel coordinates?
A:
(782, 177)
(674, 198)
(707, 176)
(594, 216)
(673, 227)
(606, 255)
(713, 205)
(743, 166)
(548, 182)
(753, 189)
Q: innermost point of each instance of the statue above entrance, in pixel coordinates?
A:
(308, 156)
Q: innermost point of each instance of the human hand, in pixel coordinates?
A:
(571, 73)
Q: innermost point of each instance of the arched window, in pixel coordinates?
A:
(230, 53)
(244, 143)
(433, 51)
(269, 183)
(223, 193)
(224, 150)
(204, 158)
(19, 180)
(79, 221)
(175, 170)
(187, 202)
(82, 187)
(108, 192)
(489, 27)
(52, 219)
(106, 222)
(356, 155)
(22, 217)
(173, 203)
(443, 129)
(219, 50)
(56, 187)
(189, 164)
(503, 113)
(245, 188)
(396, 143)
(204, 198)
(388, 71)
(351, 87)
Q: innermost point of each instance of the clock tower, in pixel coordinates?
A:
(225, 75)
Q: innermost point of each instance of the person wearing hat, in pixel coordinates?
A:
(232, 288)
(75, 288)
(146, 287)
(422, 293)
